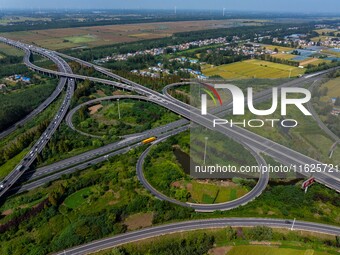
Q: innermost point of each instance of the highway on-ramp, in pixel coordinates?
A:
(329, 177)
(31, 156)
(277, 151)
(250, 196)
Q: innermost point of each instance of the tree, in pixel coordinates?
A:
(116, 251)
(337, 240)
(261, 233)
(230, 234)
(337, 101)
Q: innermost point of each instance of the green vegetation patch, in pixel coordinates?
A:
(169, 174)
(16, 105)
(80, 39)
(265, 250)
(136, 116)
(78, 198)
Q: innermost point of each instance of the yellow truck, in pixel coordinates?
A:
(149, 140)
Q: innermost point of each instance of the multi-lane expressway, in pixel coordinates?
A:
(55, 171)
(31, 156)
(142, 234)
(255, 142)
(255, 192)
(322, 125)
(331, 176)
(279, 152)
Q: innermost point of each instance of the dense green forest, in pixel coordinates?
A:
(16, 105)
(12, 69)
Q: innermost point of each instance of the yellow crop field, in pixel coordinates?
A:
(334, 53)
(280, 48)
(284, 56)
(268, 250)
(254, 69)
(333, 89)
(325, 30)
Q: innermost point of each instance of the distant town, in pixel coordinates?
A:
(324, 47)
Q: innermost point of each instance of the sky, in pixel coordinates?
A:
(306, 6)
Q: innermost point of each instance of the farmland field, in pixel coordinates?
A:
(333, 87)
(8, 19)
(265, 250)
(313, 61)
(253, 69)
(302, 62)
(9, 50)
(331, 52)
(280, 48)
(325, 36)
(325, 30)
(210, 193)
(321, 38)
(64, 38)
(284, 56)
(80, 39)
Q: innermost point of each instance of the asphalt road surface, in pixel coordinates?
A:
(134, 236)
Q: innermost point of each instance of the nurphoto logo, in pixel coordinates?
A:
(239, 101)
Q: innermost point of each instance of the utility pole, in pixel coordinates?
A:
(118, 109)
(292, 228)
(106, 157)
(205, 149)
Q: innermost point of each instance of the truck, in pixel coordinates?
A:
(20, 167)
(149, 140)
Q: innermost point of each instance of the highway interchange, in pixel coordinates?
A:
(278, 152)
(27, 161)
(255, 144)
(138, 88)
